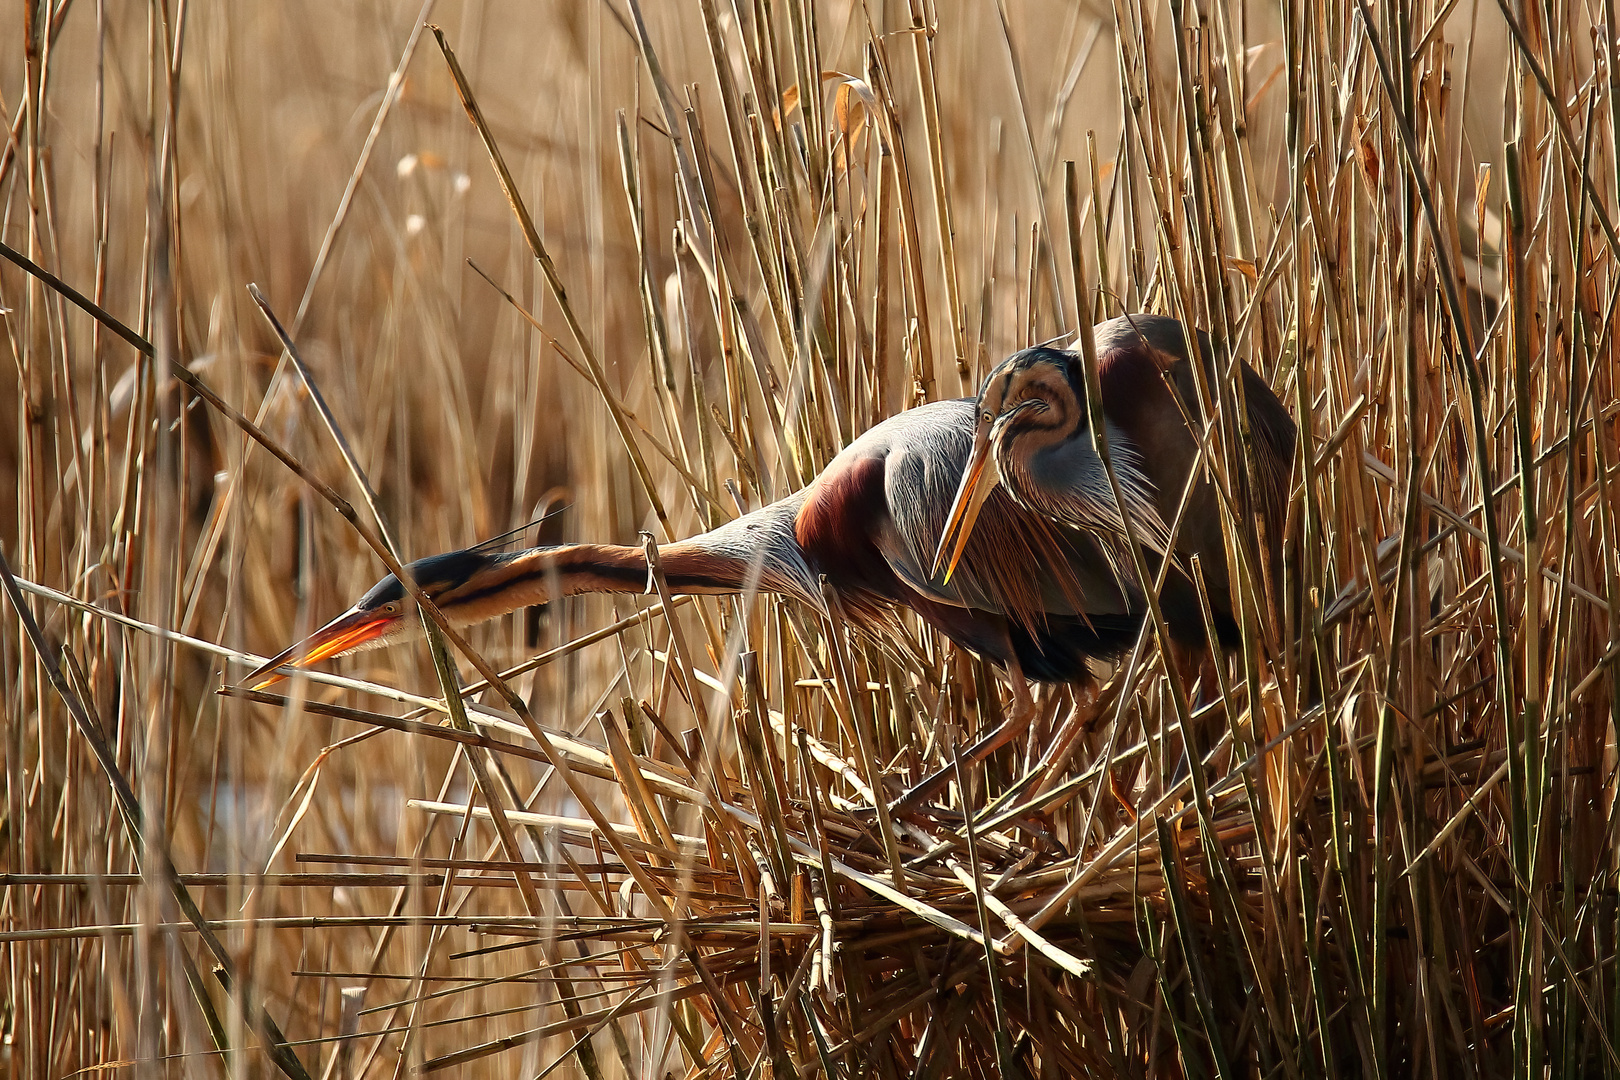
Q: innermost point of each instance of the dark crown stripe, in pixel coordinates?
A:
(1073, 368)
(542, 568)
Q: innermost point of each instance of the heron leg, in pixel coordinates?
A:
(1023, 712)
(1188, 664)
(1061, 748)
(1201, 685)
(1023, 701)
(1185, 663)
(1209, 682)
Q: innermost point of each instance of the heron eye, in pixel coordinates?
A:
(988, 416)
(391, 608)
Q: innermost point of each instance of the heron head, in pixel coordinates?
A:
(1036, 389)
(462, 584)
(1033, 398)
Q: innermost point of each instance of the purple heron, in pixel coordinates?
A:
(1035, 582)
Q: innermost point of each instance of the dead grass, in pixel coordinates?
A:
(660, 848)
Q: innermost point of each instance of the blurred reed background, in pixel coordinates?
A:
(777, 222)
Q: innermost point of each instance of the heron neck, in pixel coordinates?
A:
(541, 574)
(756, 551)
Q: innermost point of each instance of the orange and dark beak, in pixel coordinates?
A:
(384, 611)
(979, 479)
(352, 629)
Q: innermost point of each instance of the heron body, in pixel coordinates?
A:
(1033, 592)
(1036, 582)
(1032, 440)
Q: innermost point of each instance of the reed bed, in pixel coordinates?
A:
(629, 268)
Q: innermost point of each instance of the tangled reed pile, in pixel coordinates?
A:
(724, 237)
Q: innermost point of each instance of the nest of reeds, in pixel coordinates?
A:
(746, 881)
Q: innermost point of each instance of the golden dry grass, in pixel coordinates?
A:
(1401, 859)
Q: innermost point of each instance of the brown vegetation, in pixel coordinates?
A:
(776, 222)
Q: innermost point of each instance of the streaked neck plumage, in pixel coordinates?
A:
(757, 551)
(1045, 456)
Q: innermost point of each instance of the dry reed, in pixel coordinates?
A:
(657, 264)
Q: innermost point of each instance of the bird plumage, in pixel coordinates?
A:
(1030, 590)
(1038, 584)
(1033, 430)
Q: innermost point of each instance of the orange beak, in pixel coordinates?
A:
(348, 631)
(979, 479)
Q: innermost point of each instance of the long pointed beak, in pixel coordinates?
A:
(979, 479)
(348, 631)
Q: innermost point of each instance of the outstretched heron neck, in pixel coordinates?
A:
(757, 551)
